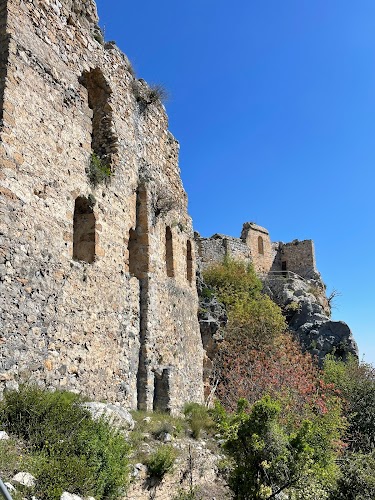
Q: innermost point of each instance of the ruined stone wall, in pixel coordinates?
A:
(298, 257)
(215, 249)
(120, 327)
(255, 246)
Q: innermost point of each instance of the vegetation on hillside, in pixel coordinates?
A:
(63, 447)
(288, 426)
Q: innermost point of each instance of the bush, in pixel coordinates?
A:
(162, 429)
(70, 451)
(357, 481)
(146, 95)
(12, 457)
(250, 312)
(161, 461)
(198, 418)
(356, 383)
(98, 171)
(268, 459)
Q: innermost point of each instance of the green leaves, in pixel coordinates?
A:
(70, 451)
(268, 459)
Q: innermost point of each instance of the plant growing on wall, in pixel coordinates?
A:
(98, 170)
(146, 95)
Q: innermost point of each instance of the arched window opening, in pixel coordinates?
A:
(260, 246)
(103, 139)
(169, 252)
(189, 262)
(83, 231)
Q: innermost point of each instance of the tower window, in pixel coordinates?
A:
(260, 246)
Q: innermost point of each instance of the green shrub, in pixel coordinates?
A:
(357, 481)
(12, 456)
(157, 423)
(236, 285)
(70, 451)
(161, 430)
(198, 418)
(356, 383)
(98, 171)
(161, 461)
(268, 459)
(191, 494)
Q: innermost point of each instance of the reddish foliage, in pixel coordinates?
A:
(279, 369)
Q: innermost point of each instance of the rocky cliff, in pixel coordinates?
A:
(308, 314)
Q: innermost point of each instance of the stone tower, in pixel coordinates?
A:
(97, 264)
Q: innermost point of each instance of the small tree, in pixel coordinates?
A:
(268, 459)
(356, 382)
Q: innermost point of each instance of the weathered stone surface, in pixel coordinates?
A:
(116, 416)
(3, 436)
(70, 496)
(25, 479)
(254, 246)
(10, 487)
(96, 288)
(308, 314)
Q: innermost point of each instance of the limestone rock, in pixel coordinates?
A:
(308, 314)
(25, 479)
(212, 318)
(3, 435)
(116, 415)
(69, 496)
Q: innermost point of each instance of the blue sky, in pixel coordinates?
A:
(273, 103)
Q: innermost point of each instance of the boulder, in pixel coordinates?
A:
(25, 479)
(69, 496)
(3, 435)
(116, 415)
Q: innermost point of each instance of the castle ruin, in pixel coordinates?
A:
(97, 257)
(255, 246)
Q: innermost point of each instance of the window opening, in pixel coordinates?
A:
(103, 139)
(260, 246)
(83, 231)
(169, 252)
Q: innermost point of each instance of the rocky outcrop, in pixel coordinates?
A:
(308, 314)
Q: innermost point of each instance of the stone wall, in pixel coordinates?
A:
(298, 257)
(255, 246)
(214, 249)
(93, 296)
